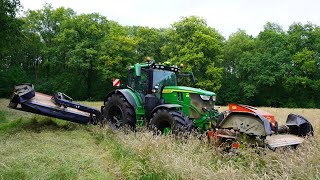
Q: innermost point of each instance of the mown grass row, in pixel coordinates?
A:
(49, 149)
(37, 147)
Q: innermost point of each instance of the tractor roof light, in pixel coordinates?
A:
(150, 61)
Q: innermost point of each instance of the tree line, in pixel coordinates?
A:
(78, 54)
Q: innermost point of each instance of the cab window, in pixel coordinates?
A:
(139, 84)
(164, 78)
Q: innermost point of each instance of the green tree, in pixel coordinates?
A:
(199, 47)
(11, 44)
(237, 49)
(10, 31)
(303, 77)
(46, 23)
(118, 52)
(301, 36)
(255, 68)
(77, 54)
(303, 81)
(149, 43)
(79, 45)
(272, 62)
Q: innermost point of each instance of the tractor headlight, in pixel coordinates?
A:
(205, 97)
(213, 98)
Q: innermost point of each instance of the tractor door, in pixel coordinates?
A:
(139, 84)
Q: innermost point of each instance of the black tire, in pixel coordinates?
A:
(118, 112)
(170, 118)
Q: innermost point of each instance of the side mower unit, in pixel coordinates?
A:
(57, 106)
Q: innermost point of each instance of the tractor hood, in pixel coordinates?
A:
(170, 89)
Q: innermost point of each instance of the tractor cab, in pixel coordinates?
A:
(150, 78)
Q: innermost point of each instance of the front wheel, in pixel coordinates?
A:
(169, 121)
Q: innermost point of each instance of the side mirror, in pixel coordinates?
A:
(192, 77)
(155, 89)
(137, 69)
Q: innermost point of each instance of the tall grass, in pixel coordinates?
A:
(37, 147)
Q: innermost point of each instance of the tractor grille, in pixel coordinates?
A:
(197, 102)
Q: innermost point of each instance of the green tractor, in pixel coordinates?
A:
(153, 98)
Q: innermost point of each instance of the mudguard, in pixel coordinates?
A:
(187, 123)
(249, 109)
(130, 97)
(248, 123)
(167, 106)
(299, 125)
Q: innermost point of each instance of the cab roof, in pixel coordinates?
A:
(158, 66)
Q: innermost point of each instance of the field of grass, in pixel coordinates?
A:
(37, 147)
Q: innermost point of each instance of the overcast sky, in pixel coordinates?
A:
(224, 15)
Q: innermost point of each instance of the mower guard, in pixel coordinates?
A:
(255, 122)
(248, 120)
(58, 106)
(299, 125)
(248, 123)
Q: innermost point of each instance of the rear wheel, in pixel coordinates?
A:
(118, 112)
(169, 121)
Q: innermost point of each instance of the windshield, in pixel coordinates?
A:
(164, 78)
